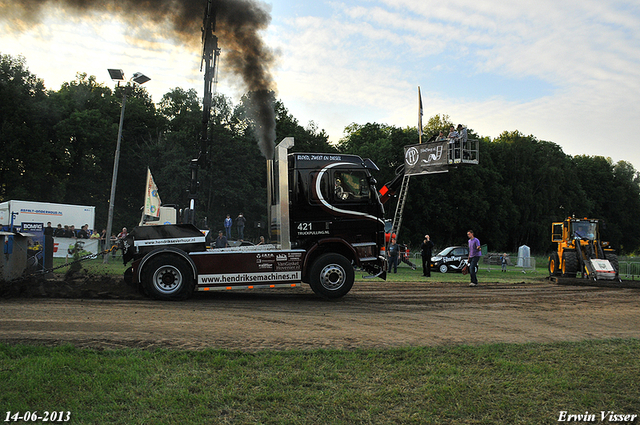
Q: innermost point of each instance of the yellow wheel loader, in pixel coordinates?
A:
(581, 251)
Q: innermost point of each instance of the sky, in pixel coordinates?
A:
(567, 71)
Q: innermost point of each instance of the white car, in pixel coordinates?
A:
(451, 258)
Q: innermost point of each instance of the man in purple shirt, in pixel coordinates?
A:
(474, 256)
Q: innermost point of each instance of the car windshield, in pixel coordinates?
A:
(444, 252)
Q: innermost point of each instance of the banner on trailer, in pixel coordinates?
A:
(66, 247)
(426, 158)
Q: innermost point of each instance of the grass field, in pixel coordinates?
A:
(488, 384)
(493, 273)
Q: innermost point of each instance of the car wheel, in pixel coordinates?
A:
(443, 268)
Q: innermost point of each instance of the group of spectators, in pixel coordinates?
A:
(222, 241)
(456, 134)
(240, 223)
(475, 252)
(70, 232)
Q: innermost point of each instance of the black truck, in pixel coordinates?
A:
(326, 220)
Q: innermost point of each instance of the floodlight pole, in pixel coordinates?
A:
(138, 78)
(116, 161)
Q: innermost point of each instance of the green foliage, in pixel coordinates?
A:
(59, 146)
(511, 198)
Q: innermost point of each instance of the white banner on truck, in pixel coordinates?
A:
(65, 247)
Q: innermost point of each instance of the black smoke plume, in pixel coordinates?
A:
(238, 23)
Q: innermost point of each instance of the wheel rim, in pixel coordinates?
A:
(332, 277)
(443, 268)
(167, 279)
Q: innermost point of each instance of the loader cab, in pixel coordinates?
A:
(584, 229)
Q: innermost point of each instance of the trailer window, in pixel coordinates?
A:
(350, 186)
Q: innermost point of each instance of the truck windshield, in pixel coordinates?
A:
(584, 230)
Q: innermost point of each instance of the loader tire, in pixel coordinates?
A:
(569, 264)
(554, 264)
(613, 260)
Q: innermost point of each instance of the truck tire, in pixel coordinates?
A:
(569, 264)
(443, 268)
(554, 264)
(332, 276)
(168, 277)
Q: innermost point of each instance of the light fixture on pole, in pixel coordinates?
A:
(138, 78)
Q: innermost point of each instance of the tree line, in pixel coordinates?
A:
(58, 146)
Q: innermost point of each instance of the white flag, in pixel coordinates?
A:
(152, 198)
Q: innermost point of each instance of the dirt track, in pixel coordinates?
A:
(373, 314)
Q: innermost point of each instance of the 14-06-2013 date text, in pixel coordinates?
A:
(46, 416)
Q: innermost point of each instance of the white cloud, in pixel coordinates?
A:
(568, 72)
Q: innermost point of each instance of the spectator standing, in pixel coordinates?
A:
(394, 252)
(82, 233)
(454, 143)
(227, 226)
(462, 133)
(240, 222)
(221, 240)
(504, 260)
(427, 252)
(475, 252)
(453, 134)
(59, 231)
(48, 231)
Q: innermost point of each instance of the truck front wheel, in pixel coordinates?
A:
(332, 276)
(168, 277)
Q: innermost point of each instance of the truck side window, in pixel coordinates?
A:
(350, 186)
(324, 187)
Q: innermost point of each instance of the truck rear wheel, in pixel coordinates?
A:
(332, 276)
(168, 277)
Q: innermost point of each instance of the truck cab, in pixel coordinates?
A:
(334, 207)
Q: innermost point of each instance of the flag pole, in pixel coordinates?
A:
(419, 116)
